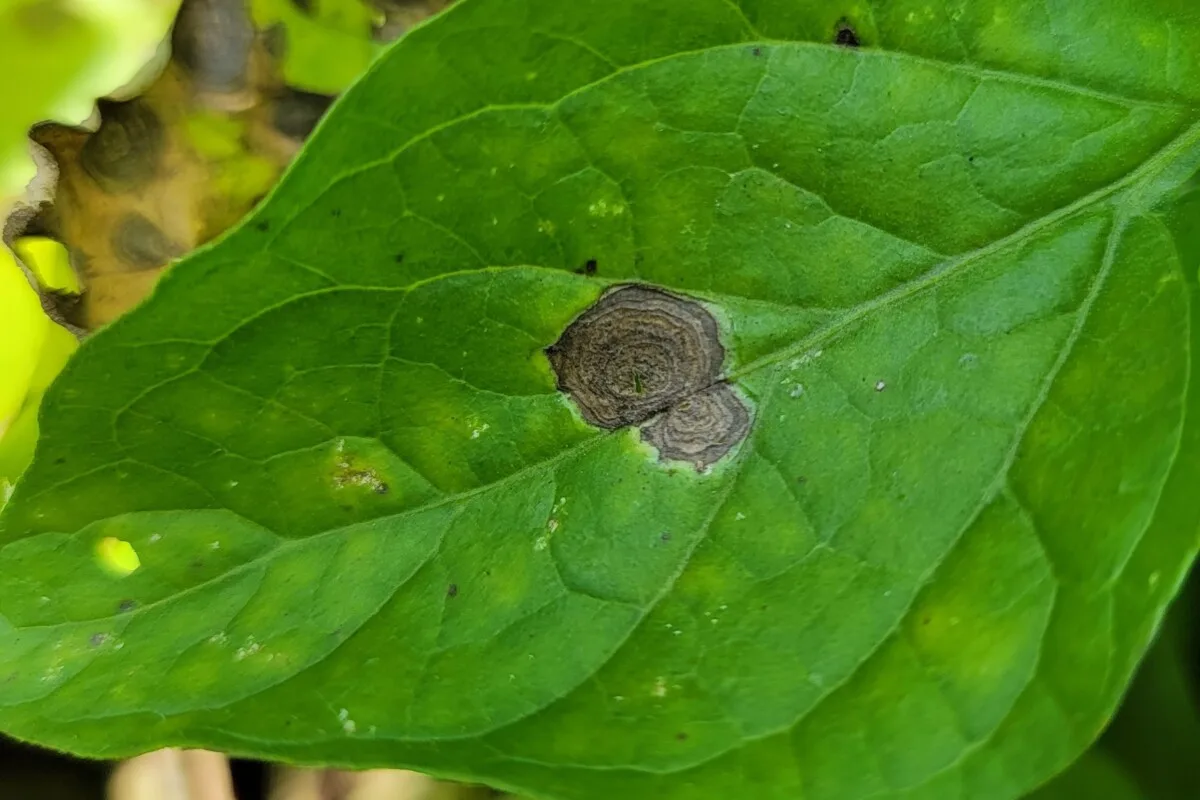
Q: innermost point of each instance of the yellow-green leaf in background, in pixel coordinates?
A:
(67, 53)
(32, 349)
(326, 43)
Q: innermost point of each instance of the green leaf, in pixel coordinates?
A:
(953, 272)
(1096, 776)
(1155, 737)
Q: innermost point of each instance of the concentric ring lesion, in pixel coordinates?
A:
(647, 357)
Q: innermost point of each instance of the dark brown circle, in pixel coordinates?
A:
(635, 353)
(125, 152)
(298, 112)
(213, 40)
(701, 428)
(141, 244)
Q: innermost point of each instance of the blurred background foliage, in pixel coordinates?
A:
(200, 108)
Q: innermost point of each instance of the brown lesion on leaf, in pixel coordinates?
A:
(126, 152)
(213, 41)
(643, 356)
(349, 471)
(140, 244)
(845, 34)
(148, 179)
(702, 428)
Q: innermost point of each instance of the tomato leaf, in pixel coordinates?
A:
(882, 492)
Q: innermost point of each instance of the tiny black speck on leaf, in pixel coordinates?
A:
(399, 258)
(681, 736)
(337, 212)
(263, 226)
(125, 606)
(757, 51)
(846, 37)
(587, 269)
(60, 460)
(452, 590)
(381, 488)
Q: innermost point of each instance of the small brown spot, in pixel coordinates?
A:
(845, 35)
(757, 51)
(125, 151)
(588, 269)
(349, 472)
(452, 590)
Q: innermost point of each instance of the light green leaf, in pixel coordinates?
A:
(325, 47)
(954, 291)
(59, 57)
